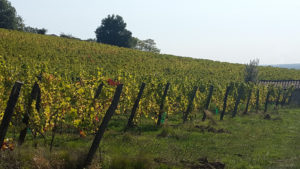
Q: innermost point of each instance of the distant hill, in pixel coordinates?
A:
(289, 66)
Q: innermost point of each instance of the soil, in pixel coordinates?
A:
(212, 129)
(267, 117)
(201, 163)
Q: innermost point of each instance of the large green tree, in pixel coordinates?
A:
(113, 31)
(8, 16)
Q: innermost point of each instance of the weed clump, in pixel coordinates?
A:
(172, 133)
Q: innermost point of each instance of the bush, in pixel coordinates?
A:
(251, 71)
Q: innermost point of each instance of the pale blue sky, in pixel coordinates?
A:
(224, 30)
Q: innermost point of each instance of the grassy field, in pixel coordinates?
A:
(248, 141)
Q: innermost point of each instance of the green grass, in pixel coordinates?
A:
(252, 143)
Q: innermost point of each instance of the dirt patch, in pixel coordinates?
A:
(160, 160)
(203, 163)
(267, 117)
(239, 155)
(212, 129)
(277, 118)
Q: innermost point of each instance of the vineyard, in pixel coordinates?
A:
(72, 86)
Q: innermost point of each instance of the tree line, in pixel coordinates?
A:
(112, 30)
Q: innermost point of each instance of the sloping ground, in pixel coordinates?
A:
(289, 66)
(70, 57)
(247, 142)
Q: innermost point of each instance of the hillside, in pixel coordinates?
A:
(70, 57)
(68, 96)
(288, 66)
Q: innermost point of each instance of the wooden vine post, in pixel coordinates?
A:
(34, 95)
(97, 94)
(211, 89)
(225, 102)
(257, 100)
(278, 99)
(290, 98)
(285, 93)
(248, 101)
(161, 108)
(267, 101)
(103, 126)
(98, 91)
(12, 101)
(53, 132)
(135, 106)
(190, 105)
(237, 101)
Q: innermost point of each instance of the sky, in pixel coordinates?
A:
(233, 31)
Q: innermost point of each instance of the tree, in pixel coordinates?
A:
(91, 40)
(8, 16)
(10, 20)
(251, 71)
(35, 30)
(147, 45)
(113, 31)
(133, 42)
(42, 31)
(69, 36)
